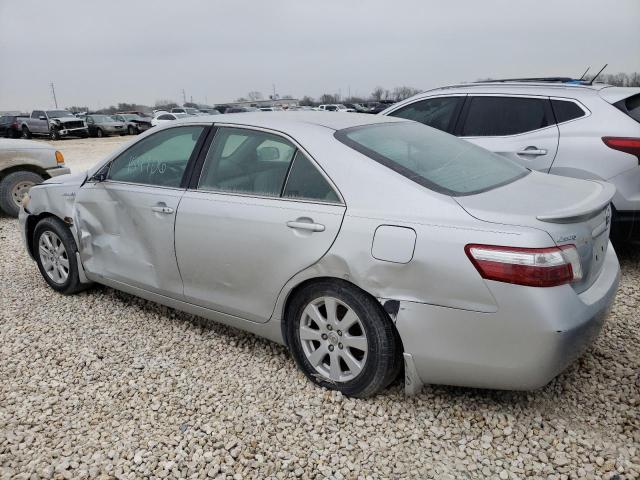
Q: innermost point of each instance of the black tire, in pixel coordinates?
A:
(54, 134)
(12, 187)
(25, 132)
(131, 130)
(384, 350)
(99, 133)
(53, 224)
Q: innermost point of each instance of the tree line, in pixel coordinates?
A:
(378, 94)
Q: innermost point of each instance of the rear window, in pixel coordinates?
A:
(630, 106)
(431, 158)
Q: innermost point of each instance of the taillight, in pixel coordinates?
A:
(624, 144)
(533, 267)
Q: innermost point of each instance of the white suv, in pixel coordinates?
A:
(560, 126)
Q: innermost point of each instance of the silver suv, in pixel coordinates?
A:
(559, 126)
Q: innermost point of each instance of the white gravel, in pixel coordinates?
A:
(106, 385)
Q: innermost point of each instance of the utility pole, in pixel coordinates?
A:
(274, 91)
(184, 97)
(53, 92)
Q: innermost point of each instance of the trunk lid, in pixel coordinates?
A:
(573, 212)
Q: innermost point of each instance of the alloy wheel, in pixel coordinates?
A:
(53, 256)
(333, 339)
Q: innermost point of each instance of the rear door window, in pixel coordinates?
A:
(438, 112)
(500, 116)
(306, 182)
(565, 110)
(247, 161)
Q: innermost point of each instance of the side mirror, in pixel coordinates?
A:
(101, 175)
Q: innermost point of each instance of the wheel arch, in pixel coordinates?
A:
(24, 167)
(388, 307)
(30, 226)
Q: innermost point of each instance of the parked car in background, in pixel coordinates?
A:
(377, 107)
(134, 124)
(337, 107)
(356, 107)
(558, 125)
(471, 270)
(54, 124)
(240, 109)
(184, 111)
(10, 126)
(209, 111)
(162, 117)
(104, 125)
(134, 112)
(24, 164)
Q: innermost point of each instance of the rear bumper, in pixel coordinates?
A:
(535, 334)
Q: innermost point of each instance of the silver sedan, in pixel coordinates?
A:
(367, 245)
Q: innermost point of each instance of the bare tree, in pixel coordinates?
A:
(307, 101)
(254, 96)
(377, 94)
(328, 98)
(400, 93)
(165, 103)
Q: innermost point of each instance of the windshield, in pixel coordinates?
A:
(434, 159)
(192, 111)
(131, 117)
(102, 118)
(58, 113)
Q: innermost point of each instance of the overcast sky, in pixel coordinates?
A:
(100, 53)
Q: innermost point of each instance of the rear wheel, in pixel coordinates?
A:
(25, 132)
(13, 187)
(342, 339)
(99, 133)
(55, 252)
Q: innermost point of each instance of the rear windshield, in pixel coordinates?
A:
(631, 106)
(434, 159)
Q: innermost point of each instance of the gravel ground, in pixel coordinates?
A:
(103, 384)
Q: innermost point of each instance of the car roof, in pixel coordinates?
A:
(280, 120)
(560, 89)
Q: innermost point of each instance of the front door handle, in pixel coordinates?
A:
(162, 209)
(313, 227)
(532, 151)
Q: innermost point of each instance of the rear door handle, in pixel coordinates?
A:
(162, 209)
(313, 227)
(532, 151)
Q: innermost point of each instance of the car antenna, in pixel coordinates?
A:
(597, 74)
(585, 72)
